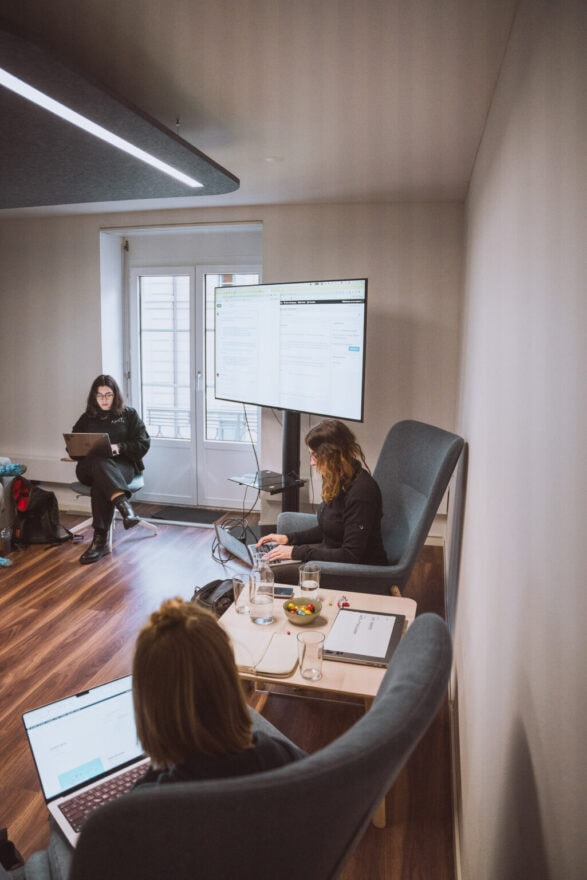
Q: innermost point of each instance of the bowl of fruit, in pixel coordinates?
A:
(300, 611)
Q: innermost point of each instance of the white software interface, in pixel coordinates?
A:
(296, 346)
(81, 737)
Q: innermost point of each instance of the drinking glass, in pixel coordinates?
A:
(310, 653)
(241, 595)
(261, 595)
(309, 580)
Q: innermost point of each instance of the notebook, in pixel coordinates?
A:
(80, 445)
(247, 553)
(368, 638)
(86, 751)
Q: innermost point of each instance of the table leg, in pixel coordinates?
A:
(379, 818)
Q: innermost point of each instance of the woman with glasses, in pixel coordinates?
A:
(108, 478)
(349, 518)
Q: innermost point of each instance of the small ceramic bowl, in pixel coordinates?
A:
(298, 610)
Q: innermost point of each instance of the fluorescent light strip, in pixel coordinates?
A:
(31, 94)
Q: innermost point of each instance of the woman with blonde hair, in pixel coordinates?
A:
(191, 714)
(349, 518)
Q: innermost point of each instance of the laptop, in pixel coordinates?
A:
(80, 445)
(367, 638)
(250, 554)
(86, 751)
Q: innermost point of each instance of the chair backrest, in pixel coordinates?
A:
(301, 820)
(413, 471)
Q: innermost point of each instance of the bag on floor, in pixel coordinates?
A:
(36, 516)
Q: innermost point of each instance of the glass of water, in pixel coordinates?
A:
(262, 584)
(309, 580)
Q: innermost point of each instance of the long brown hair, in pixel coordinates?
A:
(338, 456)
(187, 694)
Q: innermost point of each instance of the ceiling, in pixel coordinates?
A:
(301, 100)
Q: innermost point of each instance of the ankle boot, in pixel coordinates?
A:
(129, 517)
(98, 548)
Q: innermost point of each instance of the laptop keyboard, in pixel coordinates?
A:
(79, 806)
(264, 548)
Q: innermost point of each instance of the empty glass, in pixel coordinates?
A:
(310, 653)
(241, 595)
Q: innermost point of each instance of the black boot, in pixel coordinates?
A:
(98, 548)
(129, 517)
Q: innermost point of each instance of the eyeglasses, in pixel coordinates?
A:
(108, 396)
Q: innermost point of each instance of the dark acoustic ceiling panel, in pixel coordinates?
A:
(45, 160)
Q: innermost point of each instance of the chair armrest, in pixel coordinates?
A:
(288, 522)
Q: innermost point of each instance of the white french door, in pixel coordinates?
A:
(197, 441)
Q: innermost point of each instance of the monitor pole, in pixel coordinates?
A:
(290, 458)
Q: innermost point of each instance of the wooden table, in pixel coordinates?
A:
(341, 678)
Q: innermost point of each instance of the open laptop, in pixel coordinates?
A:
(247, 553)
(86, 751)
(367, 638)
(79, 445)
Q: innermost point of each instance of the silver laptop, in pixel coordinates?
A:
(250, 554)
(79, 445)
(86, 751)
(367, 638)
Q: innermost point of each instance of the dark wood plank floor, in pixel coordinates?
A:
(66, 627)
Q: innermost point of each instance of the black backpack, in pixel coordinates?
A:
(216, 596)
(36, 516)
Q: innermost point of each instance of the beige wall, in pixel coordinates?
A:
(412, 255)
(521, 652)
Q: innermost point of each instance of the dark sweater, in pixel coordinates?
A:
(267, 753)
(349, 527)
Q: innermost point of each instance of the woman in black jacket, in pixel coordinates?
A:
(349, 518)
(108, 478)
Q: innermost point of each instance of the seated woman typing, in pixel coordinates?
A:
(349, 518)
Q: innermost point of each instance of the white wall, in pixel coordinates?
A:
(521, 652)
(50, 295)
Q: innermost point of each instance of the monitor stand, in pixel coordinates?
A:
(288, 482)
(290, 459)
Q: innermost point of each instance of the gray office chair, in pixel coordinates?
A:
(302, 820)
(135, 485)
(413, 471)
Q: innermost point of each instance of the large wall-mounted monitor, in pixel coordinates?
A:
(296, 346)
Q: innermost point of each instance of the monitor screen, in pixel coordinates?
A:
(296, 346)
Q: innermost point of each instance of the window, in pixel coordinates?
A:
(164, 337)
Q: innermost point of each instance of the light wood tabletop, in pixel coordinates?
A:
(349, 679)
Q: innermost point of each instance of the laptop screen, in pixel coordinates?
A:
(83, 737)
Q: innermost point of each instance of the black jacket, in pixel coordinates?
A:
(349, 527)
(127, 430)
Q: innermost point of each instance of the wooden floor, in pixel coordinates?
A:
(66, 627)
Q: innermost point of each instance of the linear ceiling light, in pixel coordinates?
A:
(31, 94)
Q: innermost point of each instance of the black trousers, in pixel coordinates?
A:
(105, 476)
